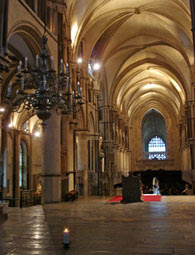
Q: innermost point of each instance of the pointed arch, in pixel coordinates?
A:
(154, 133)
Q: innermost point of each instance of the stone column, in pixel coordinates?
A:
(118, 159)
(123, 152)
(97, 166)
(82, 150)
(125, 162)
(3, 25)
(16, 167)
(70, 157)
(3, 67)
(121, 160)
(192, 149)
(192, 7)
(51, 177)
(128, 162)
(2, 174)
(115, 158)
(36, 6)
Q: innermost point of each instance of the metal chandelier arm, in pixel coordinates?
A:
(42, 89)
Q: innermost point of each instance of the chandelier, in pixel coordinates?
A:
(41, 89)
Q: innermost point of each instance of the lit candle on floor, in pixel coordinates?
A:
(66, 238)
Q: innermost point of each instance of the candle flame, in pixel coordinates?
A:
(66, 230)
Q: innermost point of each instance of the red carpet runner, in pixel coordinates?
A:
(145, 198)
(115, 199)
(151, 197)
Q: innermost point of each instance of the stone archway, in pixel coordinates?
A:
(153, 125)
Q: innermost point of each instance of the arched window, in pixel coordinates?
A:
(157, 148)
(154, 141)
(23, 174)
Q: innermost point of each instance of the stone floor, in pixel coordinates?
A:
(98, 227)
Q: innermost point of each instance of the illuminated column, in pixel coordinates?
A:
(51, 177)
(2, 174)
(70, 157)
(127, 167)
(115, 157)
(3, 67)
(192, 7)
(128, 162)
(16, 167)
(67, 145)
(82, 150)
(121, 160)
(117, 153)
(125, 162)
(121, 170)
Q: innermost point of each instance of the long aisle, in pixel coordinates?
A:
(100, 227)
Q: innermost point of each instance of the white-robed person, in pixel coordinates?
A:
(155, 185)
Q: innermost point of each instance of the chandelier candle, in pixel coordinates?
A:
(25, 62)
(61, 66)
(67, 71)
(9, 89)
(52, 65)
(80, 91)
(37, 61)
(19, 69)
(22, 83)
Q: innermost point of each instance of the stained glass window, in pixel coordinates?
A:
(157, 148)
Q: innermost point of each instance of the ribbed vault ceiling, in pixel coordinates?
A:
(145, 48)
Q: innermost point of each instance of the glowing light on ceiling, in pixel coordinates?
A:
(156, 72)
(96, 66)
(146, 95)
(79, 60)
(151, 86)
(74, 32)
(37, 134)
(176, 85)
(160, 74)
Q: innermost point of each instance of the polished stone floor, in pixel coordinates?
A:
(98, 227)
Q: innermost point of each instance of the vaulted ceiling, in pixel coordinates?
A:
(145, 49)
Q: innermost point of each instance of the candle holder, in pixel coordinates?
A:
(42, 89)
